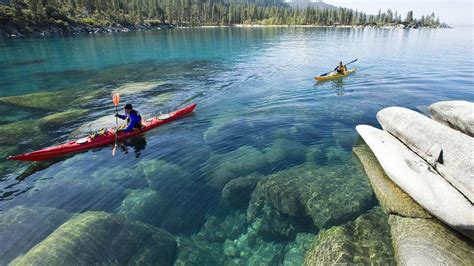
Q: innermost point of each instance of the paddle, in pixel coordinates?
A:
(115, 100)
(333, 70)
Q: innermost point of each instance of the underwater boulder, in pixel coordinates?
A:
(428, 242)
(191, 253)
(22, 133)
(315, 154)
(102, 238)
(53, 121)
(184, 198)
(345, 136)
(142, 205)
(392, 199)
(237, 192)
(54, 100)
(295, 251)
(23, 227)
(327, 195)
(283, 153)
(218, 229)
(363, 241)
(455, 114)
(222, 168)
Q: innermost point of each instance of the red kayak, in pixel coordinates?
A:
(107, 137)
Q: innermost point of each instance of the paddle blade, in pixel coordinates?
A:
(116, 98)
(113, 149)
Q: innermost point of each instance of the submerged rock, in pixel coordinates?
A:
(141, 205)
(191, 253)
(102, 238)
(55, 100)
(237, 192)
(416, 177)
(363, 241)
(392, 199)
(344, 136)
(53, 121)
(455, 114)
(428, 242)
(295, 251)
(447, 150)
(22, 227)
(137, 87)
(219, 229)
(183, 199)
(328, 195)
(24, 132)
(221, 168)
(283, 153)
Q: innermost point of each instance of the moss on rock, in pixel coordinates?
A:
(365, 241)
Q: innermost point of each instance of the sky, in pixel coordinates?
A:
(454, 12)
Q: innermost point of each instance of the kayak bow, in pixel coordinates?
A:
(107, 138)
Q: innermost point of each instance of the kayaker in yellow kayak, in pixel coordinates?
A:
(341, 69)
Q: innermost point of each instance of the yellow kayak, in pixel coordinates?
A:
(334, 75)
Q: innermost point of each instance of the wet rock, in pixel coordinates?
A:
(237, 192)
(417, 178)
(392, 199)
(249, 249)
(295, 251)
(22, 227)
(220, 169)
(327, 195)
(445, 149)
(191, 253)
(363, 241)
(102, 238)
(428, 242)
(219, 229)
(283, 153)
(455, 114)
(141, 205)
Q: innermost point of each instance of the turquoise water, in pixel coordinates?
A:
(262, 167)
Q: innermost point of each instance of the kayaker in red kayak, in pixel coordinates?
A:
(133, 118)
(341, 69)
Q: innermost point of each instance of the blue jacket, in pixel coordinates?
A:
(134, 120)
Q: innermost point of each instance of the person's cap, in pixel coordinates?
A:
(128, 106)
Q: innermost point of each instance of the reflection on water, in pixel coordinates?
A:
(260, 174)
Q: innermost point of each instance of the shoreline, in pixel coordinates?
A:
(82, 29)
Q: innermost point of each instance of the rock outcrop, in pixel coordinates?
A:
(455, 114)
(416, 177)
(448, 151)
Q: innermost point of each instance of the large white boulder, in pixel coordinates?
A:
(456, 114)
(448, 151)
(417, 178)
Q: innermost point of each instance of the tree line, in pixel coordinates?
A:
(195, 13)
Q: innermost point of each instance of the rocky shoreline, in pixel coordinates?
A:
(76, 29)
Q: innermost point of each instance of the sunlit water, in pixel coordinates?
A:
(259, 113)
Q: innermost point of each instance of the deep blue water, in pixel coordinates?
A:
(259, 111)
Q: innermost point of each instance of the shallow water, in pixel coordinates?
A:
(259, 114)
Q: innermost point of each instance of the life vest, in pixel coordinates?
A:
(139, 124)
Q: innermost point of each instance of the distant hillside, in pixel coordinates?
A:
(301, 4)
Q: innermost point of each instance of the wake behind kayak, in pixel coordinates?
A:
(107, 137)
